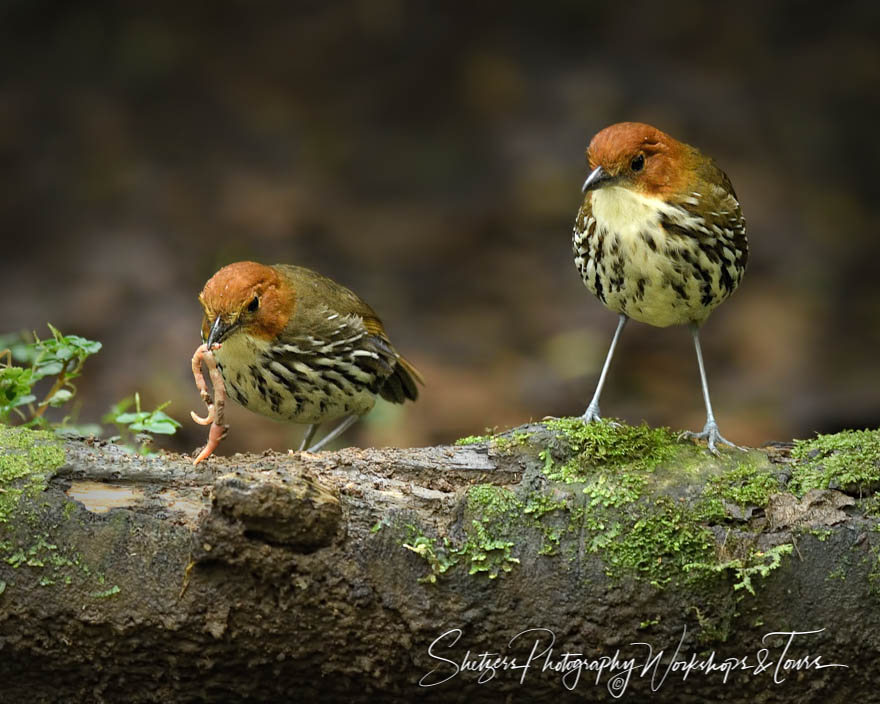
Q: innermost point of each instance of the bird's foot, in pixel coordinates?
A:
(711, 435)
(592, 414)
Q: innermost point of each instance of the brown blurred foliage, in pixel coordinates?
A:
(429, 155)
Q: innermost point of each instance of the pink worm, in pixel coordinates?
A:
(215, 405)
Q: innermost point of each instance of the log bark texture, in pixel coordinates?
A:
(387, 574)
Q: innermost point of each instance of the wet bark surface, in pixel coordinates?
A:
(324, 577)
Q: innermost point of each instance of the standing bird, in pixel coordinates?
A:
(296, 346)
(660, 238)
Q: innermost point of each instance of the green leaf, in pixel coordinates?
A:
(129, 418)
(15, 388)
(162, 427)
(156, 421)
(44, 368)
(86, 347)
(60, 397)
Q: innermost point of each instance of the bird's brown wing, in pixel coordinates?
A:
(400, 385)
(320, 299)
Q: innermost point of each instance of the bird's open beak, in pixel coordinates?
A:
(597, 178)
(219, 330)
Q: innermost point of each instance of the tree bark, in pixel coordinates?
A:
(388, 574)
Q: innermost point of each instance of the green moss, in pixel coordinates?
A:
(485, 552)
(509, 443)
(848, 460)
(746, 485)
(492, 502)
(839, 573)
(604, 444)
(493, 515)
(439, 555)
(473, 440)
(656, 543)
(821, 534)
(640, 517)
(631, 527)
(638, 499)
(871, 506)
(499, 443)
(757, 564)
(112, 591)
(27, 459)
(493, 512)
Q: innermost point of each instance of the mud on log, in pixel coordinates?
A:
(387, 574)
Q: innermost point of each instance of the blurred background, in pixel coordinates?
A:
(429, 155)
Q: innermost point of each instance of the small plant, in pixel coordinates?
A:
(56, 362)
(135, 428)
(61, 356)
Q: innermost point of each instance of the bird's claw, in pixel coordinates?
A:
(711, 435)
(592, 414)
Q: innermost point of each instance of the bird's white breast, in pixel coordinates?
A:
(641, 270)
(627, 213)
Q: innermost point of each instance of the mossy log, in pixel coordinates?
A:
(553, 560)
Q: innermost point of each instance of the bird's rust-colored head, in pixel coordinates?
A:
(639, 157)
(246, 297)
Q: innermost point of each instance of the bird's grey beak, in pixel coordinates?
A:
(597, 178)
(219, 330)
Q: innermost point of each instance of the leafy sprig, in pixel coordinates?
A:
(61, 356)
(59, 360)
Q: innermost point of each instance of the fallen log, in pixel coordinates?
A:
(549, 561)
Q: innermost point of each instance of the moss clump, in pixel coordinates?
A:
(486, 552)
(492, 503)
(628, 528)
(746, 485)
(757, 564)
(639, 499)
(440, 556)
(640, 516)
(499, 443)
(507, 443)
(473, 440)
(27, 459)
(608, 444)
(493, 511)
(848, 460)
(611, 459)
(493, 514)
(871, 506)
(654, 539)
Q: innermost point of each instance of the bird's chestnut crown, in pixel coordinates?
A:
(636, 156)
(246, 297)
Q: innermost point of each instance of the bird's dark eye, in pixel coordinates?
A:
(638, 163)
(253, 305)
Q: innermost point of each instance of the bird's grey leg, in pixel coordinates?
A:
(710, 431)
(307, 438)
(592, 412)
(335, 433)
